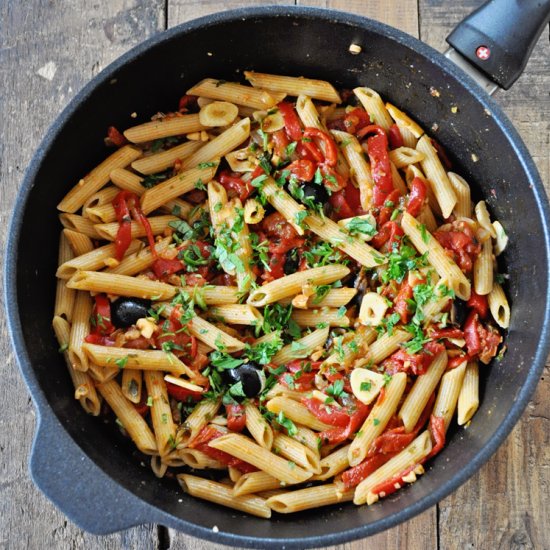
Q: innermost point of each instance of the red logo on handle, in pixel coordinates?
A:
(483, 53)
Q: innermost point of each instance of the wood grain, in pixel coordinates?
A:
(48, 51)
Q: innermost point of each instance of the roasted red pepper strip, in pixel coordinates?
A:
(102, 315)
(115, 137)
(338, 434)
(377, 149)
(346, 203)
(331, 150)
(207, 434)
(482, 340)
(479, 303)
(417, 197)
(328, 414)
(437, 431)
(303, 169)
(236, 417)
(355, 120)
(355, 475)
(391, 485)
(124, 233)
(186, 102)
(389, 233)
(235, 186)
(292, 122)
(394, 136)
(437, 334)
(309, 150)
(124, 203)
(471, 334)
(385, 212)
(401, 302)
(280, 143)
(182, 394)
(163, 268)
(455, 362)
(417, 363)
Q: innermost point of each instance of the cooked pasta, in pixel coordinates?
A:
(289, 298)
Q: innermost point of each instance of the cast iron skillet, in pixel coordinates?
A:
(86, 469)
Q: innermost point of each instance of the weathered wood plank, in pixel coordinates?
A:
(402, 14)
(48, 51)
(505, 504)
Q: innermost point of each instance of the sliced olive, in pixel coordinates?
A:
(314, 193)
(126, 311)
(459, 312)
(292, 262)
(251, 376)
(361, 283)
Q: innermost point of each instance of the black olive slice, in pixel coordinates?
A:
(126, 311)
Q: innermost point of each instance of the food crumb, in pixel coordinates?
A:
(215, 529)
(133, 115)
(209, 54)
(454, 109)
(475, 158)
(434, 92)
(355, 49)
(435, 127)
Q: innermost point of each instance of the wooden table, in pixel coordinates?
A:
(48, 51)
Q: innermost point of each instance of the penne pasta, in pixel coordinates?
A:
(468, 398)
(445, 267)
(221, 494)
(97, 178)
(133, 422)
(164, 127)
(294, 86)
(312, 497)
(121, 285)
(236, 93)
(292, 284)
(242, 447)
(158, 162)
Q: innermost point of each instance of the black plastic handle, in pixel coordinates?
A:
(499, 36)
(81, 490)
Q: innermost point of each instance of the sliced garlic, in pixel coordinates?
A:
(218, 113)
(373, 309)
(501, 241)
(239, 161)
(366, 384)
(146, 326)
(183, 383)
(273, 122)
(484, 219)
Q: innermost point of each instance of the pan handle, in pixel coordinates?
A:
(78, 487)
(500, 35)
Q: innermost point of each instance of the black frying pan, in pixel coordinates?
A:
(87, 469)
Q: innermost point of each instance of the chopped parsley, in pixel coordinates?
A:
(286, 423)
(400, 262)
(121, 362)
(361, 225)
(203, 165)
(365, 386)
